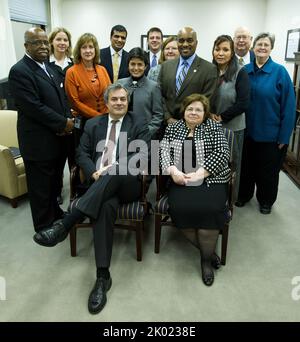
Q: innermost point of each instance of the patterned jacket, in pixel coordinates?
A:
(212, 151)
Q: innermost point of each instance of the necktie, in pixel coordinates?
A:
(241, 61)
(181, 76)
(107, 156)
(45, 69)
(154, 61)
(116, 66)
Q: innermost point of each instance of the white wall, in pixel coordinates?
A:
(7, 50)
(208, 17)
(281, 17)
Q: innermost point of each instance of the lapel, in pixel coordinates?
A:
(38, 71)
(109, 61)
(84, 78)
(125, 128)
(124, 64)
(193, 71)
(173, 71)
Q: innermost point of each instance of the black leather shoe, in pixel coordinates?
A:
(265, 209)
(97, 298)
(216, 261)
(49, 237)
(208, 276)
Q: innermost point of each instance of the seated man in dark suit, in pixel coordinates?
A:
(114, 58)
(104, 158)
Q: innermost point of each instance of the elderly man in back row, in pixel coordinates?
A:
(187, 75)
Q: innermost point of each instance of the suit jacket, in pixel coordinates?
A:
(212, 151)
(105, 58)
(146, 102)
(89, 154)
(84, 99)
(42, 111)
(201, 78)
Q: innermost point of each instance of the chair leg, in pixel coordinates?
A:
(14, 202)
(157, 233)
(138, 236)
(224, 244)
(73, 233)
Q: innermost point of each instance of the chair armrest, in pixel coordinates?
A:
(9, 173)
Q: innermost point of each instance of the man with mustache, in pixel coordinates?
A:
(43, 123)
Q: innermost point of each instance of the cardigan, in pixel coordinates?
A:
(212, 150)
(271, 115)
(83, 97)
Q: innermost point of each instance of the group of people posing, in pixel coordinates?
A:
(70, 100)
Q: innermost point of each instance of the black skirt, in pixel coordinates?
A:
(200, 206)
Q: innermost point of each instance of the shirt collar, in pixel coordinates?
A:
(67, 60)
(112, 51)
(110, 119)
(189, 60)
(42, 65)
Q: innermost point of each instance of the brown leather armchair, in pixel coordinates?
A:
(12, 170)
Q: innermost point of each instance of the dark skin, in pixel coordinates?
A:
(37, 46)
(187, 42)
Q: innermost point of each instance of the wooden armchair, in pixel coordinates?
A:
(130, 216)
(161, 210)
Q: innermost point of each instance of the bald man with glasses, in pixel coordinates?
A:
(44, 122)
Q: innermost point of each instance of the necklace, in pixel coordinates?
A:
(95, 76)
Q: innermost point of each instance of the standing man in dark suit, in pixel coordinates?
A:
(154, 41)
(187, 75)
(43, 123)
(114, 58)
(114, 172)
(242, 43)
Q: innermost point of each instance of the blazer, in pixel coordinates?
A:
(105, 60)
(214, 157)
(81, 94)
(42, 110)
(88, 153)
(201, 78)
(60, 72)
(146, 101)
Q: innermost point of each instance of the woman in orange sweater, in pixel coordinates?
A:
(86, 80)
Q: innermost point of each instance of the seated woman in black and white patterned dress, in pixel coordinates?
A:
(195, 153)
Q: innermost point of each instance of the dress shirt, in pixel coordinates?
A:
(112, 52)
(189, 61)
(246, 58)
(151, 54)
(67, 61)
(118, 129)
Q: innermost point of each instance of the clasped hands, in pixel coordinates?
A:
(68, 128)
(182, 178)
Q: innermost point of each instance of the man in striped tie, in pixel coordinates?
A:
(182, 77)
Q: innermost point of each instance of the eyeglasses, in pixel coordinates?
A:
(38, 42)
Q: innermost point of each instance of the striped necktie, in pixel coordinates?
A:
(181, 76)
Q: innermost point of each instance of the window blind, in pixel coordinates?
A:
(29, 11)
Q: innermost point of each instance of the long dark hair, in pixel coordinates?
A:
(233, 63)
